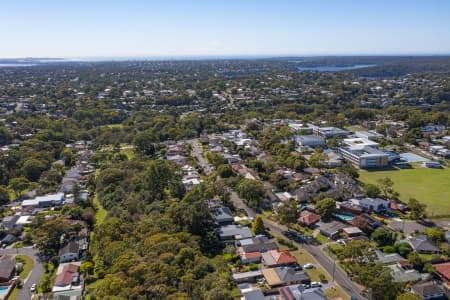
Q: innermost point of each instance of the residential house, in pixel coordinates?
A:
(68, 278)
(331, 229)
(233, 232)
(351, 232)
(397, 205)
(250, 249)
(365, 221)
(177, 158)
(421, 244)
(428, 290)
(256, 294)
(250, 276)
(282, 276)
(298, 292)
(222, 215)
(443, 271)
(8, 239)
(7, 268)
(9, 222)
(387, 259)
(372, 204)
(276, 258)
(404, 272)
(69, 252)
(349, 207)
(407, 227)
(308, 218)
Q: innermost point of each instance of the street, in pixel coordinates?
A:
(35, 274)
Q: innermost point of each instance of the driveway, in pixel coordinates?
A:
(35, 274)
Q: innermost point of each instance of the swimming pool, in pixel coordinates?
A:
(344, 217)
(3, 290)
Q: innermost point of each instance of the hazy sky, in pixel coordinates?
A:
(78, 28)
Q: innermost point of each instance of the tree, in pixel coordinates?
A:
(418, 210)
(359, 251)
(383, 237)
(385, 184)
(287, 212)
(408, 296)
(47, 236)
(87, 268)
(318, 159)
(32, 169)
(68, 156)
(225, 171)
(416, 261)
(372, 191)
(436, 234)
(145, 142)
(18, 185)
(404, 249)
(251, 190)
(349, 170)
(325, 208)
(258, 226)
(4, 195)
(162, 175)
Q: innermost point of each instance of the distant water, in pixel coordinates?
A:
(16, 65)
(333, 68)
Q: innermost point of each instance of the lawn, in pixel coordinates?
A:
(130, 153)
(429, 186)
(101, 213)
(28, 264)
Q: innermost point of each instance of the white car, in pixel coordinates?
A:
(315, 284)
(33, 287)
(308, 266)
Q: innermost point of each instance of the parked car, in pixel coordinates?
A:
(308, 266)
(315, 284)
(33, 287)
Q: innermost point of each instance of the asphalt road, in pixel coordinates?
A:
(34, 276)
(199, 155)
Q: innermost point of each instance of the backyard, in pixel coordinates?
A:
(429, 186)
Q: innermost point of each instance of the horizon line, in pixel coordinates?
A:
(216, 56)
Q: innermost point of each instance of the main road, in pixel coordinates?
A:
(36, 272)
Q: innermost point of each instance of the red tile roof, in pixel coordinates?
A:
(283, 257)
(444, 271)
(308, 218)
(67, 274)
(251, 255)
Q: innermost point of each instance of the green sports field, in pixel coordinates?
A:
(430, 186)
